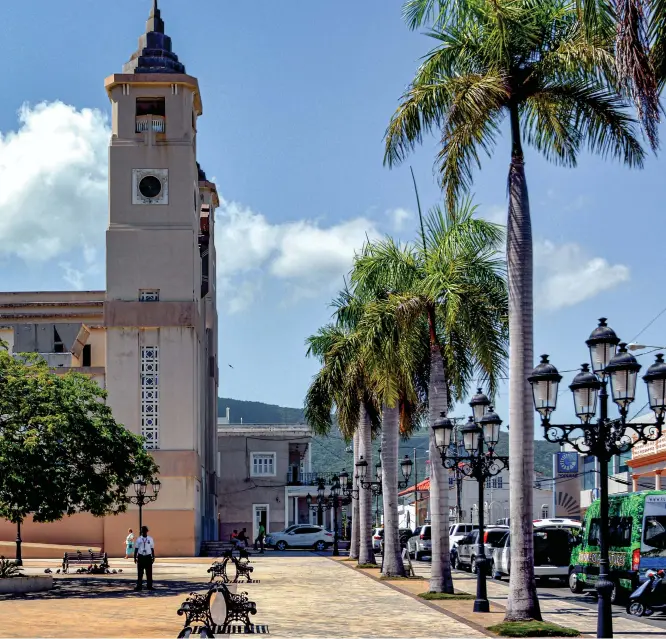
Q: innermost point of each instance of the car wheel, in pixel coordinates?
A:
(319, 546)
(458, 565)
(575, 585)
(418, 555)
(636, 608)
(281, 545)
(472, 565)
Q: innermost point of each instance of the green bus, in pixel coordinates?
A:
(637, 542)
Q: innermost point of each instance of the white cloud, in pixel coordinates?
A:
(398, 218)
(53, 183)
(566, 275)
(304, 254)
(496, 214)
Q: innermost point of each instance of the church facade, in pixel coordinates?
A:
(151, 338)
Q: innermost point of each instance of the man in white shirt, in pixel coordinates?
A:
(144, 556)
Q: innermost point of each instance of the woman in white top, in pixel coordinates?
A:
(129, 545)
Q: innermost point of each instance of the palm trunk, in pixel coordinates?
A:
(523, 603)
(392, 559)
(440, 575)
(365, 553)
(355, 522)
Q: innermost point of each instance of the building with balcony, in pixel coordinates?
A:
(150, 338)
(264, 476)
(648, 461)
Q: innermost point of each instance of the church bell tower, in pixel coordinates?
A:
(161, 322)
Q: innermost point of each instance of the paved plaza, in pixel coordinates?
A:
(299, 595)
(302, 595)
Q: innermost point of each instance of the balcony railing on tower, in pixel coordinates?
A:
(155, 123)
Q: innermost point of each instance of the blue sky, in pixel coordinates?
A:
(296, 99)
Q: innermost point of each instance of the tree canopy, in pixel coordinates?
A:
(61, 451)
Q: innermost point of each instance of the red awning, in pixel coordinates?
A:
(422, 487)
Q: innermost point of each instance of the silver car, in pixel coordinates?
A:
(419, 543)
(469, 547)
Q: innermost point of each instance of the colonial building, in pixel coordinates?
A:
(151, 338)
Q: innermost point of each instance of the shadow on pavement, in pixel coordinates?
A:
(96, 588)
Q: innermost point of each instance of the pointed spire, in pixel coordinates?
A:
(155, 22)
(154, 54)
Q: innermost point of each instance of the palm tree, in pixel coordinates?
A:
(355, 523)
(397, 364)
(533, 62)
(449, 287)
(343, 383)
(639, 30)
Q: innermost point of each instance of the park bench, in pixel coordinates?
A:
(239, 568)
(217, 612)
(89, 558)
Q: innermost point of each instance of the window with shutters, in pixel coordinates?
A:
(262, 465)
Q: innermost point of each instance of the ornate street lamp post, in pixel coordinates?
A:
(474, 457)
(331, 501)
(602, 437)
(141, 498)
(19, 556)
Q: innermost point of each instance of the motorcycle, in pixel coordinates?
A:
(649, 596)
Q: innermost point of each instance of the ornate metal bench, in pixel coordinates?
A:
(100, 559)
(216, 611)
(241, 568)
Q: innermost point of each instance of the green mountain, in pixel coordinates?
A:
(330, 454)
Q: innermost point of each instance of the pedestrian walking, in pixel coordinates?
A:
(242, 540)
(260, 538)
(144, 557)
(129, 544)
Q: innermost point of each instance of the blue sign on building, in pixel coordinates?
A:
(567, 463)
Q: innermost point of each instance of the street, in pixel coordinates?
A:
(553, 591)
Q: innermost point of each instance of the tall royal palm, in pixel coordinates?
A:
(531, 62)
(343, 384)
(450, 288)
(639, 30)
(396, 361)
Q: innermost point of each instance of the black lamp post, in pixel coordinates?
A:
(19, 556)
(328, 502)
(474, 457)
(141, 498)
(602, 437)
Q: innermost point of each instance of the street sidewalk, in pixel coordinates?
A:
(557, 610)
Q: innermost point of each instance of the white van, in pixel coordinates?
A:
(554, 540)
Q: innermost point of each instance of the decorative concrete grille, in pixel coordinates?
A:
(150, 396)
(149, 296)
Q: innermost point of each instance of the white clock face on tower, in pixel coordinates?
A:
(150, 186)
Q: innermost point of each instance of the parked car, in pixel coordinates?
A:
(468, 547)
(305, 536)
(554, 540)
(419, 543)
(404, 533)
(636, 537)
(458, 531)
(377, 536)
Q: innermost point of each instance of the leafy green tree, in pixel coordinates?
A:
(531, 62)
(449, 288)
(61, 451)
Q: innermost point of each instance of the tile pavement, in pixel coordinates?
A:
(302, 595)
